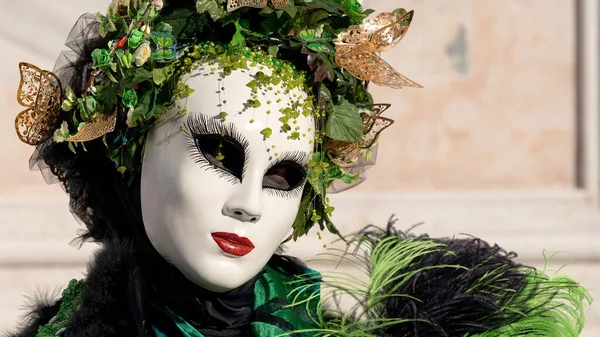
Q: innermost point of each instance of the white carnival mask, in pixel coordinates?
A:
(221, 184)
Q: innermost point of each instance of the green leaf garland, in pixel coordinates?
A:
(149, 48)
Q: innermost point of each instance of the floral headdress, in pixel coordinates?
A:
(144, 47)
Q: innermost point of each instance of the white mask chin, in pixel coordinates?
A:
(203, 217)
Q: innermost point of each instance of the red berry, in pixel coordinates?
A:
(136, 86)
(121, 42)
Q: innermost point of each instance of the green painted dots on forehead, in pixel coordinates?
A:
(272, 79)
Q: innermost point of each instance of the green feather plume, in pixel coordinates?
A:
(451, 287)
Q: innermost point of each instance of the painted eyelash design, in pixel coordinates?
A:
(298, 157)
(301, 159)
(199, 124)
(286, 194)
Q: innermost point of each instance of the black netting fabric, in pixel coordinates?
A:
(72, 67)
(100, 197)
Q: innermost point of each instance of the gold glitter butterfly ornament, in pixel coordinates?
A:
(40, 92)
(232, 5)
(348, 154)
(357, 50)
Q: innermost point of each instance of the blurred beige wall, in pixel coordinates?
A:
(487, 147)
(498, 107)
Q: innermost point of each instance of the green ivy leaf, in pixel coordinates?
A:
(143, 106)
(106, 26)
(113, 153)
(334, 173)
(130, 152)
(163, 27)
(318, 47)
(161, 75)
(238, 38)
(108, 97)
(270, 25)
(316, 17)
(266, 11)
(244, 23)
(67, 105)
(367, 12)
(344, 122)
(215, 9)
(349, 179)
(70, 94)
(137, 75)
(153, 107)
(292, 11)
(302, 222)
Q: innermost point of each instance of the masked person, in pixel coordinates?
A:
(195, 137)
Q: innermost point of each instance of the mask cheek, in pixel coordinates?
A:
(281, 215)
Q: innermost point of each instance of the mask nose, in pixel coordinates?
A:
(245, 204)
(243, 215)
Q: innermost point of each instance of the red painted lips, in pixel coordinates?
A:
(232, 243)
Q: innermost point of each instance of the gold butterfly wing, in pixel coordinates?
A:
(343, 154)
(100, 126)
(369, 119)
(387, 29)
(371, 137)
(280, 4)
(40, 92)
(384, 74)
(362, 62)
(30, 84)
(393, 31)
(233, 5)
(351, 58)
(357, 50)
(23, 125)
